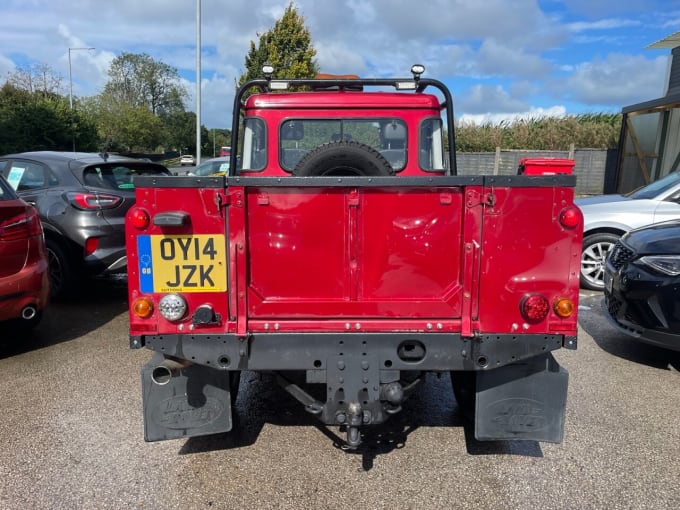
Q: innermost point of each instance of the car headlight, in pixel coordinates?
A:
(666, 264)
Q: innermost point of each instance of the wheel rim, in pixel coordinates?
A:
(592, 262)
(56, 270)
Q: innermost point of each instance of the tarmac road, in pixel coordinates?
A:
(72, 434)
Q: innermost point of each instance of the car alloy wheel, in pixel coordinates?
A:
(593, 257)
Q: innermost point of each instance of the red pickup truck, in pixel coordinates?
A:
(343, 254)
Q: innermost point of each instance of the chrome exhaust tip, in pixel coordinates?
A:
(29, 312)
(162, 374)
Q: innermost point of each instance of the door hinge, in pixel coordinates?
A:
(473, 198)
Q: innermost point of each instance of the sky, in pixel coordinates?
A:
(502, 59)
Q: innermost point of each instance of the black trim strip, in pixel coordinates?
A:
(505, 181)
(356, 181)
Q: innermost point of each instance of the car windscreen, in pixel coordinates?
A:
(118, 176)
(655, 188)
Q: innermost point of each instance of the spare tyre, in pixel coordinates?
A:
(343, 158)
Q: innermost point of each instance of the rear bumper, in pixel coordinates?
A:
(28, 288)
(393, 351)
(521, 391)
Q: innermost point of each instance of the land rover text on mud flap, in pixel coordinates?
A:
(343, 255)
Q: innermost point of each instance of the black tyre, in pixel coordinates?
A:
(343, 158)
(234, 384)
(465, 390)
(63, 277)
(593, 256)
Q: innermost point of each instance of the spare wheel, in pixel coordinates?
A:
(343, 158)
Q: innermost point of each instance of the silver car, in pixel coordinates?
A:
(606, 218)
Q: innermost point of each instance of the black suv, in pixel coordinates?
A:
(82, 199)
(642, 284)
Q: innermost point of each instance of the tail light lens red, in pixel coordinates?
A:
(22, 226)
(93, 201)
(139, 218)
(91, 245)
(534, 308)
(570, 217)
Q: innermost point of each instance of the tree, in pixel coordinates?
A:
(37, 78)
(33, 121)
(137, 80)
(287, 46)
(180, 130)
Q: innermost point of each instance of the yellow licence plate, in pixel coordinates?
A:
(196, 263)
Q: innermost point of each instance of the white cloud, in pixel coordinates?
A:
(528, 55)
(484, 99)
(615, 80)
(510, 117)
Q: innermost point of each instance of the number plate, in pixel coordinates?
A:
(195, 263)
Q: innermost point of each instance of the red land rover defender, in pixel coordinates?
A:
(344, 253)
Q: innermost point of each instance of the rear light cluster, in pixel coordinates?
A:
(172, 307)
(570, 217)
(93, 201)
(139, 218)
(22, 226)
(536, 307)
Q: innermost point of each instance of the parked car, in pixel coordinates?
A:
(24, 275)
(82, 199)
(642, 284)
(225, 151)
(187, 159)
(606, 218)
(214, 166)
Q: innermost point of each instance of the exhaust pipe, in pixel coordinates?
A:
(162, 374)
(29, 312)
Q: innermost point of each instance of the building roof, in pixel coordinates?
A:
(670, 41)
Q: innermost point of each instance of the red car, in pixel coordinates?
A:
(24, 274)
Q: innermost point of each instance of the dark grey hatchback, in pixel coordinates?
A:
(642, 284)
(82, 199)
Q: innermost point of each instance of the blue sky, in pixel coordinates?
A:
(502, 59)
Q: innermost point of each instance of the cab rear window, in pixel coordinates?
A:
(119, 176)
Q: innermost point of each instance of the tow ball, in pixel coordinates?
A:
(354, 420)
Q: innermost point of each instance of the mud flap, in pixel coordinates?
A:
(524, 400)
(192, 401)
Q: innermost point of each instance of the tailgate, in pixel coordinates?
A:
(359, 251)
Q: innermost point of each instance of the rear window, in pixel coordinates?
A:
(119, 175)
(6, 191)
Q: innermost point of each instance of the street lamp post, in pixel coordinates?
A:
(70, 76)
(70, 91)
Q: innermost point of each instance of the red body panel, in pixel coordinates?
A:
(318, 259)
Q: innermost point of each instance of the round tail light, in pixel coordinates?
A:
(534, 308)
(570, 217)
(142, 307)
(563, 307)
(139, 218)
(172, 307)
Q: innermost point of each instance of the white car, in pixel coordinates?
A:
(606, 218)
(212, 167)
(187, 159)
